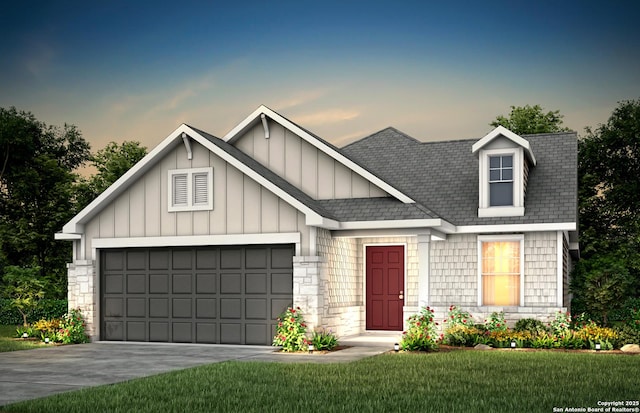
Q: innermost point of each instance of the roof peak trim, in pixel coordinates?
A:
(514, 137)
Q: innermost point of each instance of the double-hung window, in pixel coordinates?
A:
(500, 270)
(501, 180)
(190, 189)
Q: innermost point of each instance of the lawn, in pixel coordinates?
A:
(9, 343)
(457, 381)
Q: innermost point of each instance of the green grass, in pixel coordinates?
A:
(457, 381)
(9, 343)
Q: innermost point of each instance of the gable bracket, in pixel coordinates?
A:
(187, 145)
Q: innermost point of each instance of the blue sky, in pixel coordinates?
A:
(137, 70)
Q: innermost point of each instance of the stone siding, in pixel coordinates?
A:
(82, 294)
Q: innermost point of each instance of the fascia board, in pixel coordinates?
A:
(502, 131)
(74, 226)
(67, 237)
(191, 240)
(407, 223)
(236, 132)
(477, 229)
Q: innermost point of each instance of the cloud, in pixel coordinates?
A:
(301, 98)
(327, 116)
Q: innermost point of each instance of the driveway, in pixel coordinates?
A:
(31, 374)
(41, 372)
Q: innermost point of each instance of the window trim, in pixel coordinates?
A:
(517, 209)
(500, 238)
(190, 173)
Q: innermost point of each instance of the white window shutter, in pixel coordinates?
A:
(180, 191)
(200, 188)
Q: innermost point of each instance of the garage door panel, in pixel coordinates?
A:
(256, 309)
(114, 307)
(231, 308)
(181, 307)
(206, 283)
(255, 283)
(136, 307)
(159, 307)
(211, 294)
(136, 260)
(136, 330)
(136, 284)
(158, 283)
(206, 259)
(255, 333)
(113, 284)
(230, 333)
(159, 331)
(231, 283)
(181, 284)
(182, 260)
(206, 333)
(206, 308)
(281, 283)
(182, 332)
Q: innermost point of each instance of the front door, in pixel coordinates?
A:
(385, 287)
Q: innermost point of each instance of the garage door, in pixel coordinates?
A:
(226, 295)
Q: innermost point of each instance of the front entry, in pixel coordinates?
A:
(385, 287)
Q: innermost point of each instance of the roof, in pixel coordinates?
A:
(443, 176)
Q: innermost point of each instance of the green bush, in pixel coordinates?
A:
(421, 334)
(324, 340)
(46, 309)
(291, 332)
(530, 325)
(627, 335)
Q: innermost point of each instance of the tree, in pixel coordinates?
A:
(36, 191)
(112, 162)
(608, 199)
(526, 120)
(23, 288)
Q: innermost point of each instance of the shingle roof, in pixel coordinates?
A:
(443, 176)
(374, 209)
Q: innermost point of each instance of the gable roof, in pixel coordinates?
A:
(443, 176)
(515, 138)
(319, 143)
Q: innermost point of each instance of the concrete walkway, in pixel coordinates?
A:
(42, 372)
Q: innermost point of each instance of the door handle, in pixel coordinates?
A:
(401, 295)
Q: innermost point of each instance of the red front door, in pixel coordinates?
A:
(385, 287)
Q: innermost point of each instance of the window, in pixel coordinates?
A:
(501, 267)
(501, 180)
(190, 189)
(501, 183)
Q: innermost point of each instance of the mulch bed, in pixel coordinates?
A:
(315, 352)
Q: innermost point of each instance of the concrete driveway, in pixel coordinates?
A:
(41, 372)
(31, 374)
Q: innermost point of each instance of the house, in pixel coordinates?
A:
(208, 240)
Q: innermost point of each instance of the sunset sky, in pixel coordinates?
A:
(341, 69)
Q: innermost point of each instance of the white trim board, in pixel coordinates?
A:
(480, 229)
(189, 241)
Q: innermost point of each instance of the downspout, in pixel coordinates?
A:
(265, 125)
(187, 145)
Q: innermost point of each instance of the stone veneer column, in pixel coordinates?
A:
(308, 292)
(424, 258)
(81, 292)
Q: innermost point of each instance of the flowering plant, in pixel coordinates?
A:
(421, 334)
(72, 328)
(496, 322)
(561, 323)
(458, 317)
(291, 332)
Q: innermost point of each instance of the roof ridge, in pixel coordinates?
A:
(373, 135)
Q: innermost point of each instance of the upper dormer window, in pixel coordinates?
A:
(501, 180)
(502, 159)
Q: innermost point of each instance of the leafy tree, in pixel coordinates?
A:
(609, 195)
(112, 162)
(36, 191)
(23, 288)
(526, 120)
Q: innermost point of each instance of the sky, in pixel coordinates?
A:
(127, 70)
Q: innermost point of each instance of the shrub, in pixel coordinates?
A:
(496, 322)
(291, 331)
(634, 318)
(457, 316)
(45, 309)
(324, 340)
(461, 335)
(627, 335)
(561, 322)
(72, 329)
(582, 320)
(530, 325)
(421, 334)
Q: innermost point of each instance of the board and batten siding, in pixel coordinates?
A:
(303, 165)
(240, 205)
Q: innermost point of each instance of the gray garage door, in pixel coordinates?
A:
(227, 295)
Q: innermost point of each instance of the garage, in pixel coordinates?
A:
(220, 295)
